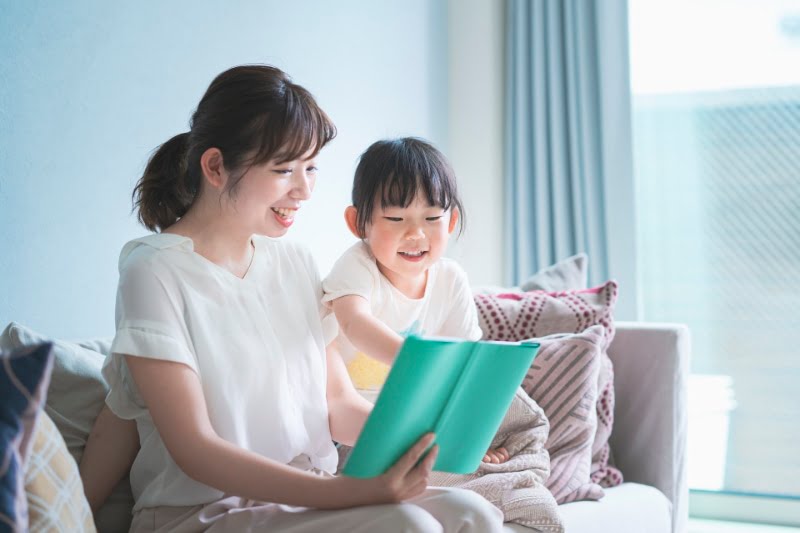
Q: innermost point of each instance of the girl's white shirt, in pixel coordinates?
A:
(446, 309)
(257, 344)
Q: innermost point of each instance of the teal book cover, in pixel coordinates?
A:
(460, 390)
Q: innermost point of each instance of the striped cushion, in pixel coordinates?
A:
(53, 485)
(24, 375)
(563, 381)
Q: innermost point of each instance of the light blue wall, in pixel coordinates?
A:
(89, 88)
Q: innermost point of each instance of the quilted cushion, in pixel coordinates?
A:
(75, 397)
(53, 485)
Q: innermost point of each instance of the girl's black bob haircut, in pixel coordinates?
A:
(393, 171)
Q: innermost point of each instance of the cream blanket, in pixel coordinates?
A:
(516, 487)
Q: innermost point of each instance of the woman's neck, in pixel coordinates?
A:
(219, 242)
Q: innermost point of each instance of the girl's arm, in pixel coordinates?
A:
(174, 397)
(110, 450)
(367, 333)
(347, 409)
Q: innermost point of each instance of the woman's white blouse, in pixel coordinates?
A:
(256, 343)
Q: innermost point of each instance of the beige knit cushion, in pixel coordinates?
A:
(53, 485)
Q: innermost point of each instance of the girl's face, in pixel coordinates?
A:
(406, 241)
(268, 196)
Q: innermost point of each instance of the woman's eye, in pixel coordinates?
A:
(312, 170)
(394, 219)
(283, 171)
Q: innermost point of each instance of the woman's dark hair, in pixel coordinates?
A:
(392, 171)
(252, 114)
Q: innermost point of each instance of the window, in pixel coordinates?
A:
(716, 132)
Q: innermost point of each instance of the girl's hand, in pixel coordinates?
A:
(405, 480)
(496, 456)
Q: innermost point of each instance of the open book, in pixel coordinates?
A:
(460, 390)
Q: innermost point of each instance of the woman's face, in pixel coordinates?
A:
(268, 196)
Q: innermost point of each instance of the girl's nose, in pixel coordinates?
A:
(415, 233)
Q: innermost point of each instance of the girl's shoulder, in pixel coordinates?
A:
(449, 269)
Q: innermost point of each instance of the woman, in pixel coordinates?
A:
(222, 354)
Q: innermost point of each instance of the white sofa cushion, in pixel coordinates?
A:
(627, 508)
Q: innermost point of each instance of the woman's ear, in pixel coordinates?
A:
(213, 168)
(351, 217)
(454, 214)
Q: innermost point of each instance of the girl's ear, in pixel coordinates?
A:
(350, 217)
(454, 214)
(213, 168)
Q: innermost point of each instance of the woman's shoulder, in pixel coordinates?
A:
(151, 250)
(287, 251)
(282, 246)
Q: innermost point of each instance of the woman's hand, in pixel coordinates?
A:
(405, 480)
(496, 456)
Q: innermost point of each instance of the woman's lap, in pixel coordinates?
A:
(438, 509)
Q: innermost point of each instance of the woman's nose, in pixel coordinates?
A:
(302, 184)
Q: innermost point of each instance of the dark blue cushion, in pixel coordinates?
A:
(24, 376)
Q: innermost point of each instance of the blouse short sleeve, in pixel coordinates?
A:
(150, 323)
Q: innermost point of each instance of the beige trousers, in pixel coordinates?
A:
(436, 510)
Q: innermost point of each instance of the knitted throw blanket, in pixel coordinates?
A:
(516, 487)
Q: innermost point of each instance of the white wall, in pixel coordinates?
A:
(475, 122)
(89, 88)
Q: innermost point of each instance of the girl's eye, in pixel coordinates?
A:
(394, 219)
(312, 170)
(433, 219)
(283, 171)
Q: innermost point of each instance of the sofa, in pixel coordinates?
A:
(648, 442)
(651, 367)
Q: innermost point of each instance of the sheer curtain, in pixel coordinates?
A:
(568, 139)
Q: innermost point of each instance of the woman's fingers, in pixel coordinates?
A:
(406, 463)
(430, 460)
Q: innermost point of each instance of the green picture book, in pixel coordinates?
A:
(460, 390)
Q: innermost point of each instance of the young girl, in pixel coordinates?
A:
(220, 351)
(395, 282)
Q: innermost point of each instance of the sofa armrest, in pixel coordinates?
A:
(651, 371)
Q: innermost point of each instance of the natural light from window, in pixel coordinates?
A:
(716, 128)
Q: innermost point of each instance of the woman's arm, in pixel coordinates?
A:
(110, 450)
(366, 332)
(174, 397)
(347, 409)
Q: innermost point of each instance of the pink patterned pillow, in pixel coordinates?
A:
(519, 316)
(563, 381)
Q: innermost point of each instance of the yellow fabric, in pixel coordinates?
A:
(53, 485)
(367, 373)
